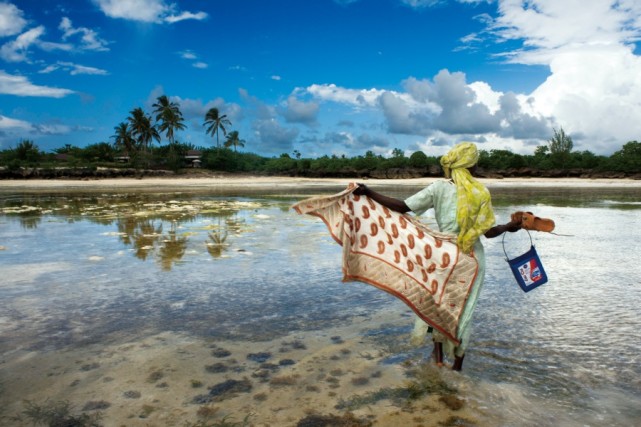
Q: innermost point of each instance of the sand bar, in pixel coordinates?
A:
(258, 183)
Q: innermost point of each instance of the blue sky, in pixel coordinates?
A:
(326, 76)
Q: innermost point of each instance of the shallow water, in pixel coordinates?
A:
(101, 291)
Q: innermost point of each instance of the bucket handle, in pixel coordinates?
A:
(503, 242)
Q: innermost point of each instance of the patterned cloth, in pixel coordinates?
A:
(400, 255)
(474, 212)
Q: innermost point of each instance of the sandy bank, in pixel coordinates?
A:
(254, 183)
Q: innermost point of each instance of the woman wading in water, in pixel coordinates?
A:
(462, 206)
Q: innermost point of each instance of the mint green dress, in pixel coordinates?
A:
(441, 196)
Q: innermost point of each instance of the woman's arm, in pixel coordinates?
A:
(389, 202)
(400, 206)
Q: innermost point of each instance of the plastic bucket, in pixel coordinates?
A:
(527, 268)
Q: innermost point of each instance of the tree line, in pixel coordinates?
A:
(132, 143)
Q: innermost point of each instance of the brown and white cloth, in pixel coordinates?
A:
(400, 255)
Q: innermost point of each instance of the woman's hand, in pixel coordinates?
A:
(513, 226)
(389, 202)
(497, 230)
(361, 190)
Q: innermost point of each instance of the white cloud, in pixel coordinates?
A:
(445, 108)
(191, 56)
(594, 88)
(198, 16)
(11, 20)
(16, 50)
(7, 123)
(187, 54)
(135, 10)
(277, 78)
(152, 11)
(89, 39)
(356, 97)
(73, 69)
(21, 86)
(550, 27)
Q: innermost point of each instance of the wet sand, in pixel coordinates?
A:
(253, 183)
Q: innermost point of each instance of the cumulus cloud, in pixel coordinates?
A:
(402, 118)
(11, 20)
(594, 87)
(152, 11)
(21, 86)
(593, 90)
(296, 111)
(356, 97)
(461, 112)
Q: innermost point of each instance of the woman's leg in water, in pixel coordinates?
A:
(458, 363)
(437, 353)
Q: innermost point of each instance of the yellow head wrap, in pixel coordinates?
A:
(474, 212)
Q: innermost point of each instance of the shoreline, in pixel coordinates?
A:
(261, 183)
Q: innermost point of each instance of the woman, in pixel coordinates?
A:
(462, 206)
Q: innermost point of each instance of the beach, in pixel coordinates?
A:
(258, 183)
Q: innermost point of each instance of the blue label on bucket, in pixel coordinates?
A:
(528, 270)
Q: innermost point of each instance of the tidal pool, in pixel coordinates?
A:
(177, 308)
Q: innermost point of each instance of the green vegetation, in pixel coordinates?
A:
(132, 148)
(59, 414)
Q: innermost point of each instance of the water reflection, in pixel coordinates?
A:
(148, 225)
(217, 243)
(109, 269)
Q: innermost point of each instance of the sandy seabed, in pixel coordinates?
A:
(166, 380)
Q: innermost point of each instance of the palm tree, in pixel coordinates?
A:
(27, 150)
(123, 139)
(168, 116)
(142, 129)
(215, 121)
(232, 139)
